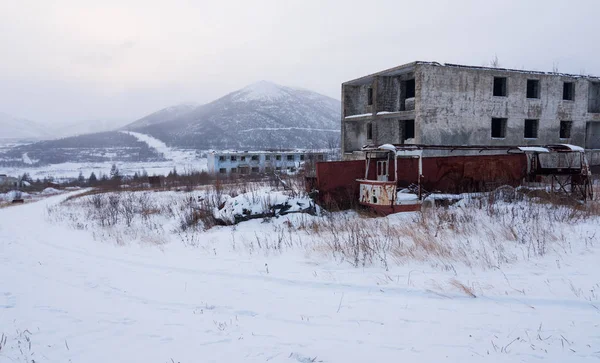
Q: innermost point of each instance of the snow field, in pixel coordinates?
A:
(288, 289)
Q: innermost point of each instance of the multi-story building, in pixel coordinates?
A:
(255, 162)
(446, 104)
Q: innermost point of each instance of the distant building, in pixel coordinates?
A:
(446, 104)
(256, 162)
(8, 181)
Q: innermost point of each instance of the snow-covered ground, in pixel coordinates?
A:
(69, 295)
(72, 170)
(178, 155)
(182, 160)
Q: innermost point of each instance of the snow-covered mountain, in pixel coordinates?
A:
(85, 127)
(168, 114)
(261, 115)
(16, 128)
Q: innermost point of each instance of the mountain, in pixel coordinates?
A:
(98, 147)
(16, 128)
(168, 114)
(261, 115)
(85, 127)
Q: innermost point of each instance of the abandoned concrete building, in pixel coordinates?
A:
(254, 162)
(446, 104)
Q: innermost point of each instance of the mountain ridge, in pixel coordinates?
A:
(261, 115)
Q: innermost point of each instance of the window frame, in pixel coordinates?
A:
(535, 89)
(567, 129)
(571, 92)
(536, 128)
(503, 126)
(504, 88)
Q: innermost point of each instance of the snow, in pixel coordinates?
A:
(72, 170)
(49, 191)
(9, 196)
(28, 160)
(261, 91)
(404, 196)
(162, 148)
(358, 116)
(535, 149)
(388, 147)
(260, 202)
(75, 298)
(574, 147)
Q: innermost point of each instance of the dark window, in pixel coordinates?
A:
(290, 157)
(565, 129)
(409, 129)
(370, 96)
(233, 170)
(320, 157)
(267, 157)
(278, 157)
(594, 97)
(268, 170)
(233, 158)
(369, 131)
(500, 86)
(533, 88)
(243, 158)
(222, 171)
(569, 91)
(221, 158)
(255, 170)
(255, 157)
(410, 88)
(301, 157)
(530, 130)
(498, 128)
(278, 168)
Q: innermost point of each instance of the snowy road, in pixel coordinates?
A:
(85, 301)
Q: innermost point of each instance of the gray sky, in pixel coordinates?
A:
(64, 61)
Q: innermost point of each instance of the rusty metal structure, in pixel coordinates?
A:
(395, 178)
(564, 164)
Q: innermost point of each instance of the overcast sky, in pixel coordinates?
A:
(63, 61)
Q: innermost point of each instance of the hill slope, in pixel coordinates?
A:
(261, 115)
(12, 127)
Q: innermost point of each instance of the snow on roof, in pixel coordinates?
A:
(574, 147)
(408, 67)
(388, 147)
(357, 116)
(260, 152)
(535, 149)
(510, 70)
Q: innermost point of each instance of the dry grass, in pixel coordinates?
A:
(489, 231)
(463, 288)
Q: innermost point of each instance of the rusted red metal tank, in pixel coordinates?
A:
(337, 184)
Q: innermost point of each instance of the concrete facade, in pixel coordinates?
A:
(435, 104)
(254, 162)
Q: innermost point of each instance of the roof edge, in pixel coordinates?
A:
(482, 68)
